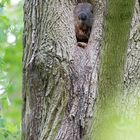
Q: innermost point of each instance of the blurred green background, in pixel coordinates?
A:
(11, 26)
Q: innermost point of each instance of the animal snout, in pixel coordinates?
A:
(82, 16)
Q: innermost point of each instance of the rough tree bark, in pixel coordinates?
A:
(59, 78)
(132, 67)
(107, 120)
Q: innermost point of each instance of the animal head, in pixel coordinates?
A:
(83, 13)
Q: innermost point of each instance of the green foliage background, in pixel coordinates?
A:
(11, 22)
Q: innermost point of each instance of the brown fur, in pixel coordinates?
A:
(83, 18)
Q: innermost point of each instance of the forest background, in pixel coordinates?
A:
(11, 27)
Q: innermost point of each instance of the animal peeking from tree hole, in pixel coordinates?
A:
(83, 20)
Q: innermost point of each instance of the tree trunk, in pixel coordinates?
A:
(132, 68)
(59, 78)
(108, 122)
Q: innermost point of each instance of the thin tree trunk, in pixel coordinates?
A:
(132, 68)
(107, 117)
(59, 78)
